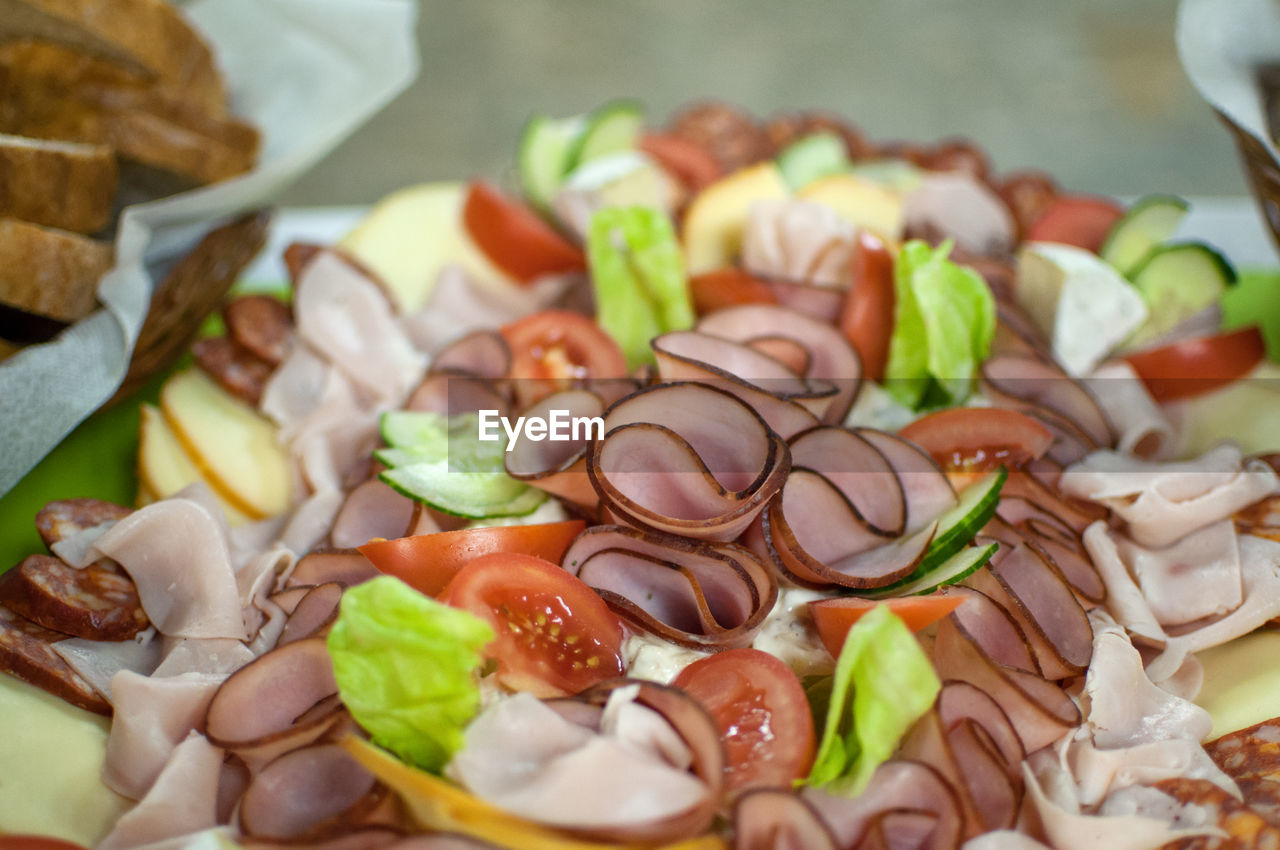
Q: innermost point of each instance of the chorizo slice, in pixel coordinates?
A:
(261, 325)
(65, 518)
(237, 370)
(26, 651)
(99, 602)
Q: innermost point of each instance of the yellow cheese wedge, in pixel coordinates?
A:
(164, 467)
(52, 754)
(716, 218)
(860, 202)
(1241, 682)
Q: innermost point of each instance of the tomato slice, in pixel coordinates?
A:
(729, 287)
(1194, 367)
(975, 439)
(428, 562)
(866, 319)
(553, 349)
(687, 161)
(834, 617)
(763, 716)
(514, 238)
(555, 636)
(1077, 220)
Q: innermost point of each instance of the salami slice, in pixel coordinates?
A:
(261, 325)
(237, 370)
(68, 517)
(26, 651)
(98, 602)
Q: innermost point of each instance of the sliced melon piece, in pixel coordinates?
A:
(233, 446)
(410, 235)
(713, 224)
(164, 467)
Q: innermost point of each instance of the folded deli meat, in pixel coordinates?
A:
(903, 513)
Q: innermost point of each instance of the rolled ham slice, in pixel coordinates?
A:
(775, 819)
(798, 240)
(694, 594)
(559, 466)
(860, 471)
(344, 566)
(898, 786)
(687, 459)
(371, 510)
(1031, 382)
(306, 793)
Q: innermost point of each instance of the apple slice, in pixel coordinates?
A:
(164, 467)
(714, 222)
(234, 448)
(860, 201)
(410, 235)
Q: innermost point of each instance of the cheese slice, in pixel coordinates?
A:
(52, 754)
(1241, 682)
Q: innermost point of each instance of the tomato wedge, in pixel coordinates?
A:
(514, 238)
(562, 345)
(729, 287)
(1194, 367)
(866, 319)
(976, 439)
(555, 636)
(428, 562)
(834, 617)
(1077, 220)
(762, 713)
(687, 161)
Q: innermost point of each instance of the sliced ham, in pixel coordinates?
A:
(213, 656)
(863, 475)
(798, 240)
(305, 793)
(371, 510)
(1140, 425)
(896, 786)
(1194, 579)
(959, 206)
(775, 819)
(98, 660)
(559, 466)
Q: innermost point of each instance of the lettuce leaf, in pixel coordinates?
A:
(945, 318)
(638, 274)
(883, 683)
(406, 667)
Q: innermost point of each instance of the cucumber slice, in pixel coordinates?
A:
(543, 157)
(957, 568)
(612, 128)
(807, 159)
(1177, 281)
(1149, 222)
(975, 507)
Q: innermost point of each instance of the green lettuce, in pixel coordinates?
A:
(638, 274)
(406, 667)
(945, 318)
(883, 683)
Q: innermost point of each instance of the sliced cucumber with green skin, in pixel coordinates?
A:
(812, 157)
(612, 128)
(543, 158)
(1148, 223)
(1177, 281)
(957, 568)
(975, 507)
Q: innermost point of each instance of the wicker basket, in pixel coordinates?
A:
(1260, 167)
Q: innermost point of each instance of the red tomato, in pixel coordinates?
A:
(979, 438)
(515, 238)
(728, 287)
(763, 716)
(1196, 366)
(834, 617)
(866, 319)
(36, 842)
(555, 636)
(428, 562)
(1076, 220)
(684, 160)
(553, 348)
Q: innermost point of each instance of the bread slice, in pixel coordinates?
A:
(58, 184)
(51, 273)
(145, 36)
(52, 92)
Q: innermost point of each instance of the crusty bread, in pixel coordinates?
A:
(55, 93)
(58, 184)
(49, 272)
(148, 36)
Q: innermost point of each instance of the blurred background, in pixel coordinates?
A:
(1089, 90)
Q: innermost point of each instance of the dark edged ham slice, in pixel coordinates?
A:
(860, 471)
(559, 466)
(1019, 520)
(307, 793)
(1040, 711)
(687, 459)
(1034, 382)
(344, 566)
(456, 394)
(926, 487)
(370, 510)
(776, 819)
(483, 354)
(897, 787)
(1032, 590)
(279, 702)
(26, 651)
(961, 702)
(831, 356)
(1075, 513)
(816, 538)
(691, 593)
(312, 614)
(785, 400)
(98, 602)
(820, 302)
